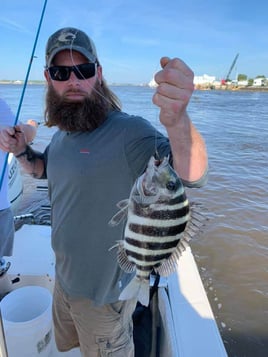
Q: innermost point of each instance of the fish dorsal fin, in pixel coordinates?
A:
(121, 214)
(196, 222)
(169, 265)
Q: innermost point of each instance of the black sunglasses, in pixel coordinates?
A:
(82, 71)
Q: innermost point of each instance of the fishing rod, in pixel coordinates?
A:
(24, 86)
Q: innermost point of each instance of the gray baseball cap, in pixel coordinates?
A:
(70, 38)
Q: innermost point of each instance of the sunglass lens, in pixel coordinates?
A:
(58, 73)
(84, 71)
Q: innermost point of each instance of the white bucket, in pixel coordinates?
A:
(27, 321)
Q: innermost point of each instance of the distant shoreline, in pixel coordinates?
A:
(198, 87)
(234, 89)
(19, 83)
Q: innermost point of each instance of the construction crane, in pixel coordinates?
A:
(227, 78)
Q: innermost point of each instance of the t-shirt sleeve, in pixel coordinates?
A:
(142, 141)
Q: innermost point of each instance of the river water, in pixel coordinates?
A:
(232, 251)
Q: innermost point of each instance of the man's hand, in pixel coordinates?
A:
(175, 87)
(12, 139)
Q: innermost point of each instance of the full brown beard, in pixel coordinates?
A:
(85, 115)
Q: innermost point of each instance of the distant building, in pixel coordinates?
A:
(258, 82)
(203, 80)
(243, 83)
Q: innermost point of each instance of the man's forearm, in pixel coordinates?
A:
(189, 151)
(32, 162)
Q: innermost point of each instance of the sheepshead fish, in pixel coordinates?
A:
(157, 230)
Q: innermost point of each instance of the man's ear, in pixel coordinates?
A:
(47, 76)
(99, 74)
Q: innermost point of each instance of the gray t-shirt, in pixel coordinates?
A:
(88, 174)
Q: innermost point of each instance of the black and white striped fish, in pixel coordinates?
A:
(158, 213)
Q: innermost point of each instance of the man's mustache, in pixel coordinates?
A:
(75, 90)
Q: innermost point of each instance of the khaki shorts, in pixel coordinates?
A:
(99, 331)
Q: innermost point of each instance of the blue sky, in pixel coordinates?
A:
(131, 36)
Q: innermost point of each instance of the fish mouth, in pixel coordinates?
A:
(143, 188)
(145, 195)
(146, 184)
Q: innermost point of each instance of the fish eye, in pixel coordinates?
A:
(171, 186)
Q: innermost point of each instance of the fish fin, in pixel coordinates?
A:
(123, 260)
(120, 215)
(169, 265)
(123, 203)
(196, 222)
(139, 289)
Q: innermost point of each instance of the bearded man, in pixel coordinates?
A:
(91, 164)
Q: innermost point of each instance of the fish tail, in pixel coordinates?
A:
(137, 288)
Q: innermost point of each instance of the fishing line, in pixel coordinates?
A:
(157, 113)
(24, 86)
